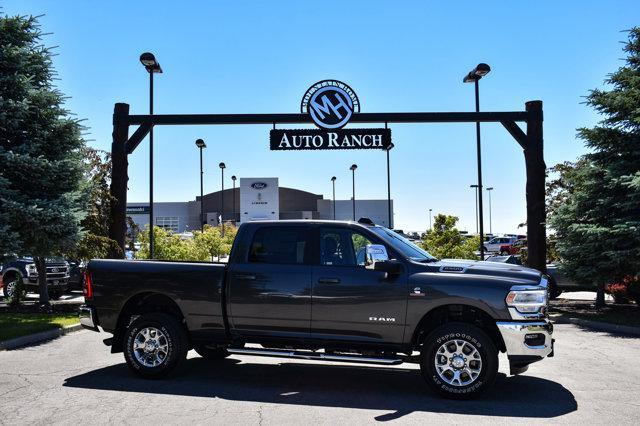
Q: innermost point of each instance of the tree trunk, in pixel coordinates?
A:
(600, 295)
(42, 281)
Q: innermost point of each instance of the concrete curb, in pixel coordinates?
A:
(599, 326)
(38, 337)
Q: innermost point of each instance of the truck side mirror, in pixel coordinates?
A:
(377, 259)
(375, 253)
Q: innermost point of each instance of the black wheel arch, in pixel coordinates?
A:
(140, 304)
(459, 313)
(11, 272)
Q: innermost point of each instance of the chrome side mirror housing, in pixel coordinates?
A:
(375, 253)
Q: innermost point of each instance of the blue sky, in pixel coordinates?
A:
(260, 57)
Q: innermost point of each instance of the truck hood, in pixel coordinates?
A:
(490, 269)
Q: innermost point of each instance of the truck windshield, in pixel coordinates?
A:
(404, 246)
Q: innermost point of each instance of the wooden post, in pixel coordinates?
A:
(119, 178)
(536, 170)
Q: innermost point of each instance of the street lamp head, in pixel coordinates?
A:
(473, 186)
(390, 147)
(233, 178)
(148, 60)
(490, 188)
(353, 167)
(200, 143)
(477, 73)
(482, 69)
(222, 166)
(333, 179)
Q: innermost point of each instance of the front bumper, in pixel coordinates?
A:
(526, 342)
(52, 283)
(88, 317)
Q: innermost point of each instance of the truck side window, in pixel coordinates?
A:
(279, 245)
(359, 247)
(342, 247)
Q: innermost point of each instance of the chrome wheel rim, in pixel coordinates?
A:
(10, 287)
(150, 347)
(458, 363)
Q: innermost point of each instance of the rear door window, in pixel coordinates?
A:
(284, 245)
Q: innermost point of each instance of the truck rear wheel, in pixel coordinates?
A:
(459, 361)
(154, 345)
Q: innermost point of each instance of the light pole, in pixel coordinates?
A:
(222, 167)
(233, 178)
(153, 67)
(475, 188)
(490, 227)
(333, 181)
(201, 145)
(391, 145)
(353, 181)
(430, 227)
(474, 76)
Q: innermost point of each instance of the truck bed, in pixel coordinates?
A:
(196, 287)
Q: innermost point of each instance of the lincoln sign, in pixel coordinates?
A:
(330, 104)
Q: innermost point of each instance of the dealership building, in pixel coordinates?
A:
(255, 199)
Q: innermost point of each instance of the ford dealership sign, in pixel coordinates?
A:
(258, 185)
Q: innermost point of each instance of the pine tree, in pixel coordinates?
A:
(40, 150)
(598, 221)
(95, 241)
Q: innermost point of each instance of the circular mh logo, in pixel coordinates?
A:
(330, 103)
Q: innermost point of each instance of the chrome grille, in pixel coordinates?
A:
(57, 271)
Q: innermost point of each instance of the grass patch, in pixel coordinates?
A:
(14, 325)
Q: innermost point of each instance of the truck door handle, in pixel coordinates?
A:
(247, 277)
(329, 281)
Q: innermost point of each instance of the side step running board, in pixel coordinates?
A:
(314, 356)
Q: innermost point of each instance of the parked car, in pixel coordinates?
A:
(76, 274)
(494, 244)
(299, 290)
(513, 248)
(57, 276)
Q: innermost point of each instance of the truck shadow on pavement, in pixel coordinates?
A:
(399, 390)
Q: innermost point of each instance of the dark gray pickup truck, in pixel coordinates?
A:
(328, 291)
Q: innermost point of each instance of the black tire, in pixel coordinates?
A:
(211, 353)
(8, 283)
(173, 339)
(554, 290)
(459, 332)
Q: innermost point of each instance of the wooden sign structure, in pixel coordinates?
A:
(530, 140)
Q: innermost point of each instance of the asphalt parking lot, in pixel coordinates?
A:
(594, 378)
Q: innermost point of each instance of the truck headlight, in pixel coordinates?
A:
(528, 301)
(31, 269)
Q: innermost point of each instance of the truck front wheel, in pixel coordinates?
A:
(155, 344)
(9, 287)
(459, 361)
